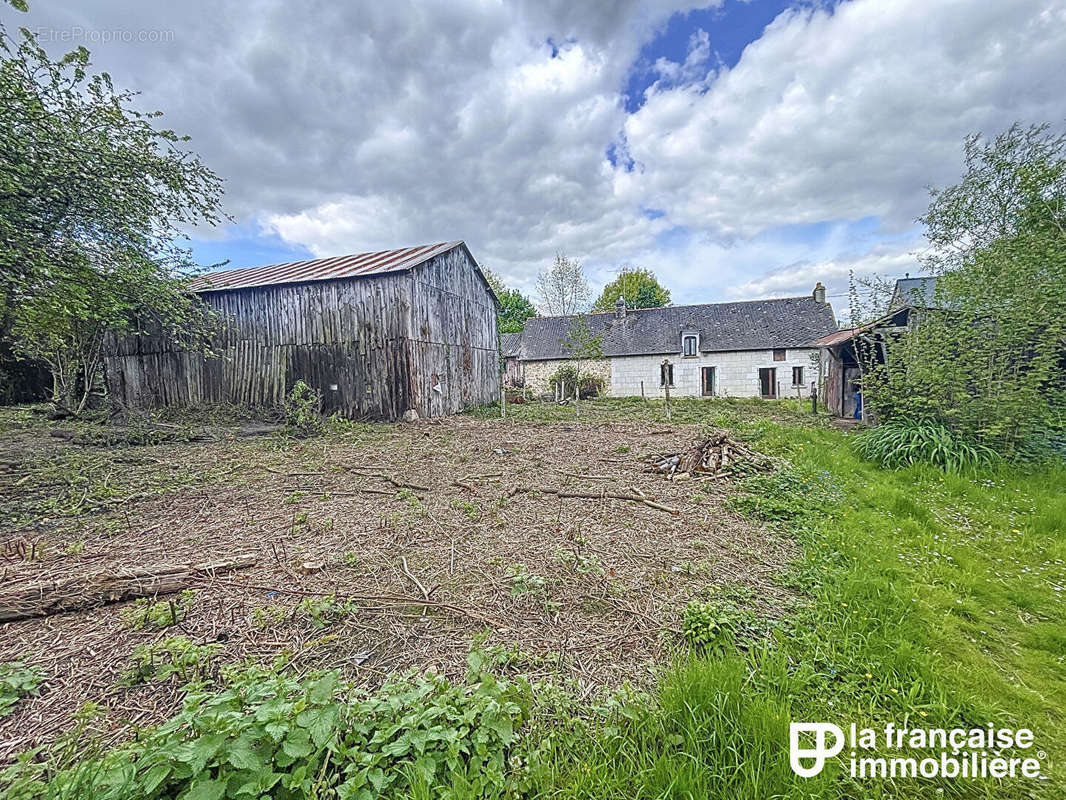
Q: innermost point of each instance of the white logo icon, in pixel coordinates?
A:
(820, 752)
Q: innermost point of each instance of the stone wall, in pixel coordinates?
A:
(538, 372)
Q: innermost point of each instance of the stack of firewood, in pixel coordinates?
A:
(718, 456)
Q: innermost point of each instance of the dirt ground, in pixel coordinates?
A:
(582, 589)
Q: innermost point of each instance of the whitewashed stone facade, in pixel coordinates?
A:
(736, 373)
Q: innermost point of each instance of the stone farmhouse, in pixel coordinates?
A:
(758, 348)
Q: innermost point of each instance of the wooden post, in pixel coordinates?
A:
(814, 397)
(666, 385)
(503, 401)
(642, 397)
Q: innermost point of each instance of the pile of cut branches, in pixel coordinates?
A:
(717, 456)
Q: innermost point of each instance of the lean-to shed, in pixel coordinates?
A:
(376, 333)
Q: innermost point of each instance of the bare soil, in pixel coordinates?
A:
(582, 589)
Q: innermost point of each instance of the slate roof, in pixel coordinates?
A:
(510, 344)
(751, 325)
(919, 292)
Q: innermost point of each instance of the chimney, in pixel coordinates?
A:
(819, 293)
(620, 307)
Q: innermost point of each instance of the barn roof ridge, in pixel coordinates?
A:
(352, 265)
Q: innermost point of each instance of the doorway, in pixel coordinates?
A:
(708, 381)
(768, 382)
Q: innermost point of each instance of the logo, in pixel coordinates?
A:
(820, 752)
(902, 752)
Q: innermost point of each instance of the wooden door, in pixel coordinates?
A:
(768, 382)
(708, 381)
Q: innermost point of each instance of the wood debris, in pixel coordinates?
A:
(42, 598)
(717, 456)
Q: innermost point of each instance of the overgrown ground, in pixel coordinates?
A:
(587, 589)
(850, 593)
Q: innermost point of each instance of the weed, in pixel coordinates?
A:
(17, 681)
(176, 656)
(707, 627)
(525, 582)
(161, 614)
(265, 733)
(468, 507)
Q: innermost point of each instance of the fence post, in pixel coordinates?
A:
(666, 385)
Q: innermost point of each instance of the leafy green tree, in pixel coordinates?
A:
(515, 307)
(987, 359)
(638, 287)
(93, 201)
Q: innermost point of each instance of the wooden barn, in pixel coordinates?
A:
(376, 333)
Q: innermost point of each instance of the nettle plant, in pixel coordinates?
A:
(268, 734)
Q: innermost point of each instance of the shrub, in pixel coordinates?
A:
(303, 411)
(900, 443)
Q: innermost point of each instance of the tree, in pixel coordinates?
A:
(562, 288)
(987, 359)
(515, 307)
(638, 287)
(93, 201)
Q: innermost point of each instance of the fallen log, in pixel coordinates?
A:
(81, 592)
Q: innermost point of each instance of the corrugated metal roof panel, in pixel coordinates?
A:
(320, 269)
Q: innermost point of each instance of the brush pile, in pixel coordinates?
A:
(718, 456)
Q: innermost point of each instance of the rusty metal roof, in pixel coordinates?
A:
(837, 338)
(320, 269)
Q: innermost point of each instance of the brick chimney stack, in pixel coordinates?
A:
(620, 307)
(819, 293)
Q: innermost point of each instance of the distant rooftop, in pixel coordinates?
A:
(751, 325)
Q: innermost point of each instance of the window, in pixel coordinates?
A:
(666, 374)
(690, 344)
(797, 376)
(779, 355)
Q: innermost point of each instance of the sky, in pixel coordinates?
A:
(739, 150)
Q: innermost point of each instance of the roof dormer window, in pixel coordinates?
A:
(690, 343)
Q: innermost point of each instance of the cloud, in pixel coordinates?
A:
(343, 127)
(844, 113)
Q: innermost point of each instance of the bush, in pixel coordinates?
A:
(569, 376)
(901, 443)
(303, 411)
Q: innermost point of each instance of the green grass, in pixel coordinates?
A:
(936, 602)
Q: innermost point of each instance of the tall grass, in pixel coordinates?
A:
(935, 599)
(902, 443)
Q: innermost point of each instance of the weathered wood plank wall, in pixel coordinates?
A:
(454, 344)
(379, 340)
